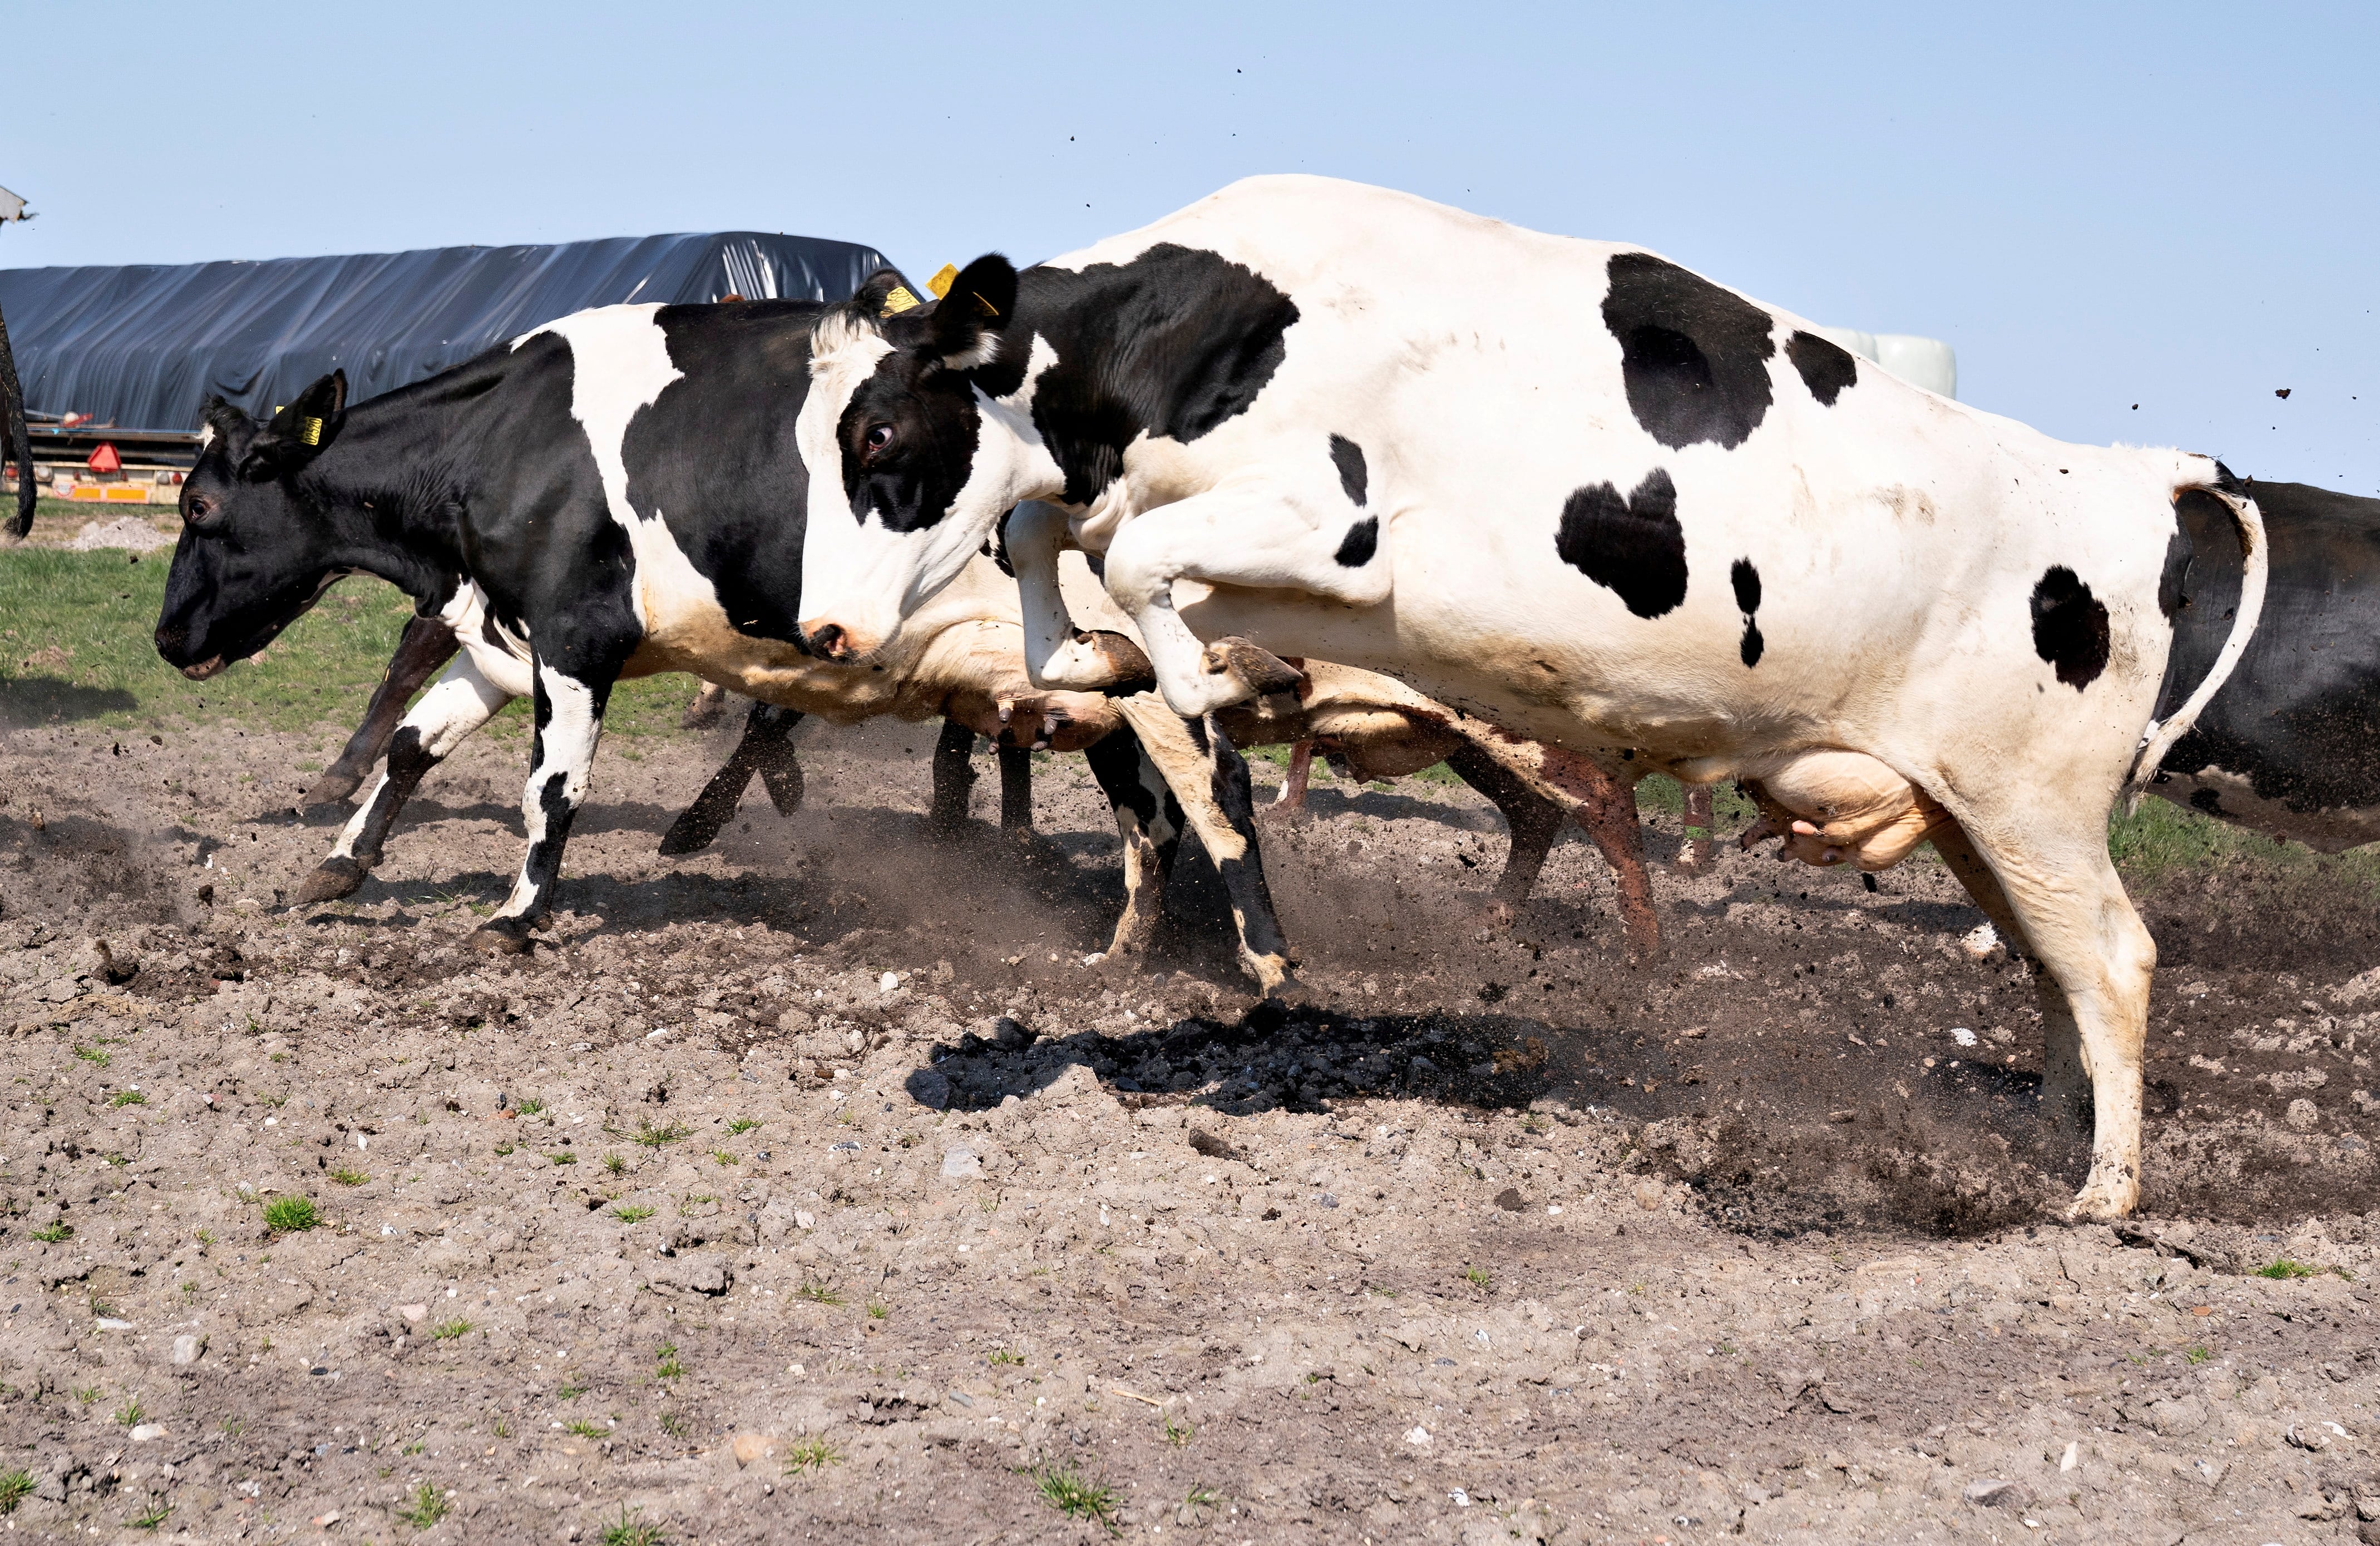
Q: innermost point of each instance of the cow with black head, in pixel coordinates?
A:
(615, 493)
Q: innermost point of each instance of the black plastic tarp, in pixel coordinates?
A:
(139, 347)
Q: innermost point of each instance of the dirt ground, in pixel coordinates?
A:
(824, 1187)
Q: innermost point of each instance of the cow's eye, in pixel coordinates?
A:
(201, 507)
(879, 437)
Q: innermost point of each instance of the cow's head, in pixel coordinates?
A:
(255, 553)
(912, 465)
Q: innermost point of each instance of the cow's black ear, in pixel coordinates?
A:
(301, 431)
(967, 321)
(876, 297)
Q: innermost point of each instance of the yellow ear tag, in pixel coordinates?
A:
(309, 431)
(900, 300)
(940, 282)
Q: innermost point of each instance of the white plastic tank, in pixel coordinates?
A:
(1926, 362)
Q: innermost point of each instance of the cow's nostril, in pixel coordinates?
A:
(830, 642)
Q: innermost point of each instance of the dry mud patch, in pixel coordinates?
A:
(828, 1140)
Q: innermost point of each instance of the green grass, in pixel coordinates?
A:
(653, 1138)
(128, 1098)
(819, 1293)
(1477, 1277)
(347, 1176)
(1003, 1356)
(631, 1213)
(15, 1488)
(447, 1331)
(1076, 1496)
(742, 1125)
(129, 1413)
(629, 1530)
(811, 1455)
(426, 1509)
(571, 1392)
(562, 1157)
(76, 644)
(152, 1517)
(291, 1215)
(53, 1233)
(586, 1428)
(615, 1164)
(2285, 1267)
(667, 1367)
(91, 1054)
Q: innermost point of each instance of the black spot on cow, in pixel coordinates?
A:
(1746, 580)
(1826, 368)
(1353, 477)
(1173, 343)
(1632, 546)
(1693, 356)
(2173, 581)
(1361, 542)
(2070, 627)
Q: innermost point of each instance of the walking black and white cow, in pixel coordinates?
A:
(615, 493)
(1578, 490)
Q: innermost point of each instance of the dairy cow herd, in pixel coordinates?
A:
(1320, 463)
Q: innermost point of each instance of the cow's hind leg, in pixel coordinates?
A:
(1289, 804)
(1149, 820)
(1015, 789)
(763, 748)
(569, 722)
(457, 703)
(1534, 820)
(2065, 1086)
(428, 644)
(2064, 901)
(955, 778)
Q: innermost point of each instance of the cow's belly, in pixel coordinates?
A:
(2232, 798)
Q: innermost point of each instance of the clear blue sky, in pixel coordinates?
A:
(2170, 206)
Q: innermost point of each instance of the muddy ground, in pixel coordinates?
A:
(818, 1187)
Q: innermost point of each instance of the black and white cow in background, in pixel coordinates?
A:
(2291, 747)
(1580, 492)
(616, 493)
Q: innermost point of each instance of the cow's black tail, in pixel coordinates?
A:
(14, 440)
(2255, 565)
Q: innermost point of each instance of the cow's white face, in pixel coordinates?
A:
(911, 465)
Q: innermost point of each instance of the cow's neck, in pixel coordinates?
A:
(392, 499)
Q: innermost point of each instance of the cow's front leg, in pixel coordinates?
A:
(763, 750)
(1057, 654)
(569, 722)
(428, 643)
(460, 702)
(1252, 538)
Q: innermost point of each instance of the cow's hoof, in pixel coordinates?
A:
(332, 879)
(2103, 1201)
(336, 785)
(502, 938)
(1251, 671)
(1273, 974)
(1126, 664)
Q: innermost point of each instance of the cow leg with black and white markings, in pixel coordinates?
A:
(1150, 821)
(460, 702)
(1197, 759)
(569, 722)
(428, 644)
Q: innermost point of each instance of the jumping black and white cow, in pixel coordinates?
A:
(615, 493)
(1579, 491)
